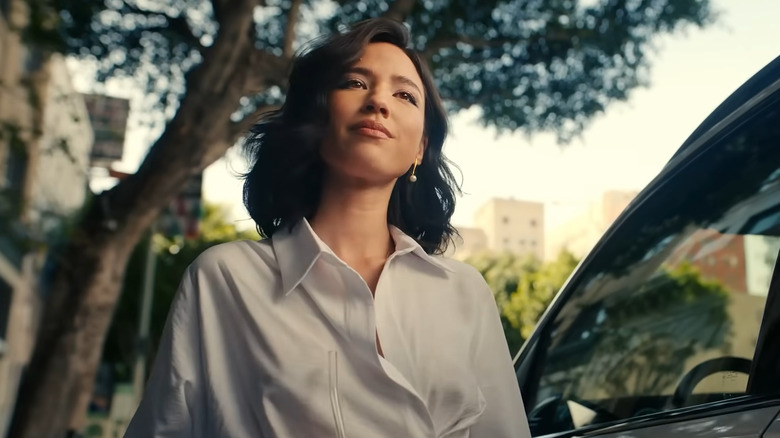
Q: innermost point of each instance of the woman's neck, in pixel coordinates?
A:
(352, 221)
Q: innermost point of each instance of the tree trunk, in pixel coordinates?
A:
(59, 379)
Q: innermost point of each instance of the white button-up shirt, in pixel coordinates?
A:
(277, 338)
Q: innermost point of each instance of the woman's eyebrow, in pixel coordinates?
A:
(396, 78)
(406, 81)
(361, 71)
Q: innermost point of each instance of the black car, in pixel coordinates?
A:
(671, 325)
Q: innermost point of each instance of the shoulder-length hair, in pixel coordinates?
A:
(283, 184)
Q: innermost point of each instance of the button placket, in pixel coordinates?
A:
(360, 328)
(389, 369)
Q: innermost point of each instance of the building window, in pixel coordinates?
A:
(15, 173)
(533, 223)
(505, 219)
(522, 242)
(533, 243)
(32, 60)
(5, 309)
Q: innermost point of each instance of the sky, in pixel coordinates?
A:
(623, 149)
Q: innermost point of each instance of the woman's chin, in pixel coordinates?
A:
(370, 178)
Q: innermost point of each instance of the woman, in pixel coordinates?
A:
(342, 322)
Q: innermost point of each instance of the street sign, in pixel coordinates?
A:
(108, 116)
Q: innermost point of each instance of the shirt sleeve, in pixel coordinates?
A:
(172, 404)
(504, 415)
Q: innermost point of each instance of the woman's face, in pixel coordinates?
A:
(377, 118)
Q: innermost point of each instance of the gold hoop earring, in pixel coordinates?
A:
(413, 177)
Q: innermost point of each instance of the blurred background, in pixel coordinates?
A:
(119, 164)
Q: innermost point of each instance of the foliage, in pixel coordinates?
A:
(26, 227)
(530, 65)
(523, 288)
(535, 293)
(538, 65)
(174, 255)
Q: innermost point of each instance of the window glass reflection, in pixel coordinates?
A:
(681, 284)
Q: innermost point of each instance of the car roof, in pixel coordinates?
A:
(751, 93)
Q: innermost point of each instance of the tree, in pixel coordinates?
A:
(534, 294)
(214, 66)
(523, 288)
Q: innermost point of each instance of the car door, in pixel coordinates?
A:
(667, 328)
(774, 429)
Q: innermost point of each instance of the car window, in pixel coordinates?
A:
(668, 311)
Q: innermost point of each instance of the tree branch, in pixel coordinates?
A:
(237, 129)
(182, 27)
(220, 9)
(400, 9)
(266, 70)
(177, 25)
(289, 31)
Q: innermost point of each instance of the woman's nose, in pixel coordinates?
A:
(374, 104)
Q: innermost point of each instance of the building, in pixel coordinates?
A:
(504, 225)
(470, 241)
(45, 141)
(581, 233)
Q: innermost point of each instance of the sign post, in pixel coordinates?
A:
(181, 218)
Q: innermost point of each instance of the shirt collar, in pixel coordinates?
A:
(298, 249)
(404, 244)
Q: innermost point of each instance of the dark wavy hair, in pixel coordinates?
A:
(283, 184)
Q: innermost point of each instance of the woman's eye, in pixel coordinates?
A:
(353, 83)
(408, 96)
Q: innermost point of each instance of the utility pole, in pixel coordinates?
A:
(139, 370)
